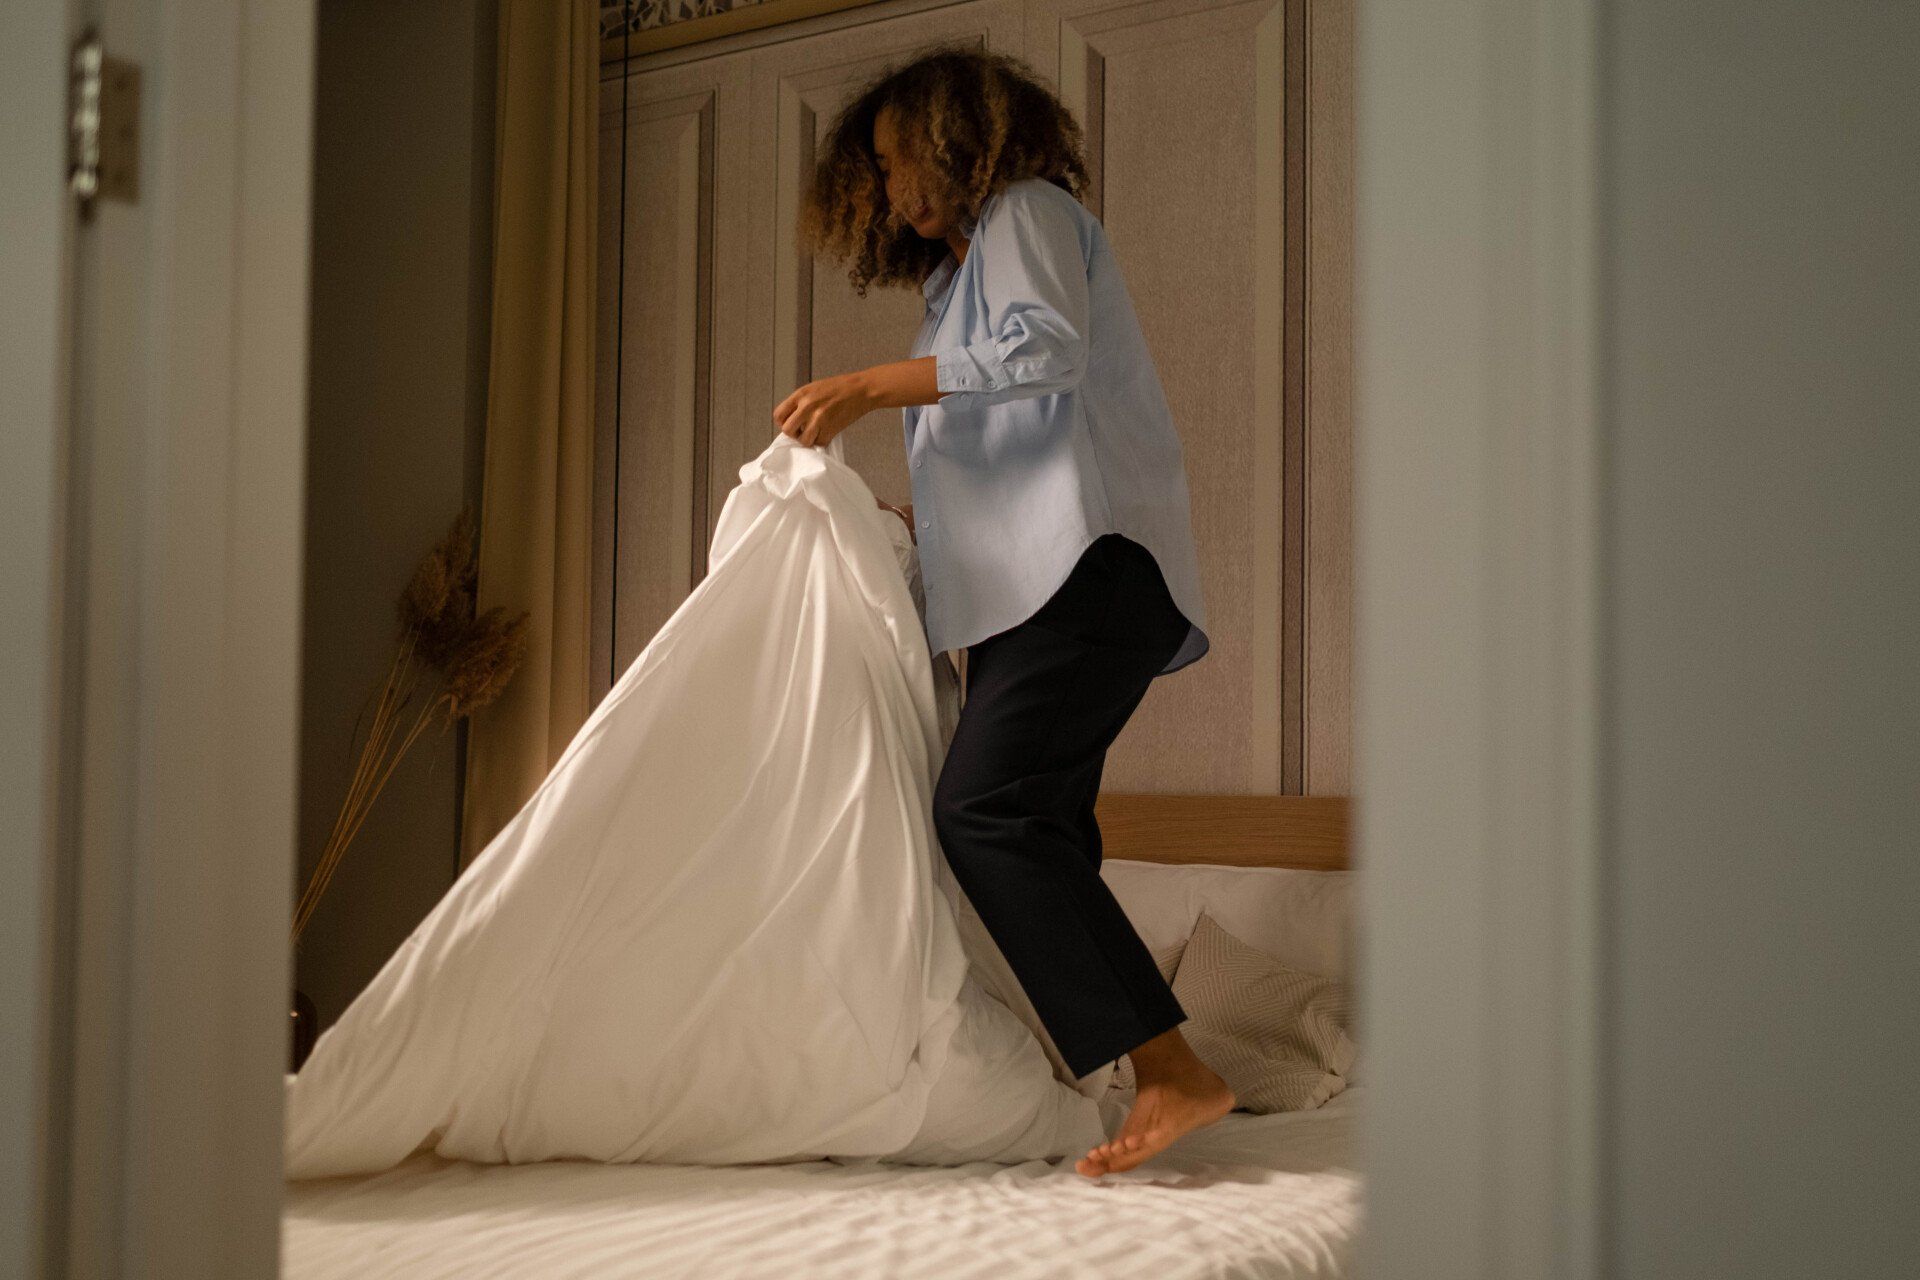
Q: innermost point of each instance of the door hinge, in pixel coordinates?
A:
(103, 133)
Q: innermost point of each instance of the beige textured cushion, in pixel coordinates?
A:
(1167, 958)
(1274, 1034)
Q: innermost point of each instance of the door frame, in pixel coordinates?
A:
(1478, 662)
(35, 270)
(159, 427)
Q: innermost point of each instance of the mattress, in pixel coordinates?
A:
(1250, 1196)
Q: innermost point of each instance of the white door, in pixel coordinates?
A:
(153, 375)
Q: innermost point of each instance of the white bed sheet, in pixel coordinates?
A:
(1251, 1196)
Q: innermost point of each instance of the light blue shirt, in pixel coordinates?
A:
(1054, 429)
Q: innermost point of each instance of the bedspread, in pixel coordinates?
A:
(1252, 1196)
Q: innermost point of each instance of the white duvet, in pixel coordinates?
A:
(721, 931)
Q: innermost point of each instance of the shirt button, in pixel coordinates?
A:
(918, 461)
(926, 524)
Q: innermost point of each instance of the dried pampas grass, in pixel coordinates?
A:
(465, 658)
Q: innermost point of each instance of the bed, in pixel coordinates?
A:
(1251, 1196)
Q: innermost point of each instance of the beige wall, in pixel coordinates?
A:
(401, 222)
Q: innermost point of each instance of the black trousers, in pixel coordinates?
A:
(1014, 804)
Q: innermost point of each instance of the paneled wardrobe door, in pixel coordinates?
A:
(1184, 107)
(675, 191)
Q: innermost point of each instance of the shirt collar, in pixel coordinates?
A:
(937, 279)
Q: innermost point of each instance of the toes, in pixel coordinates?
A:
(1137, 1151)
(1122, 1151)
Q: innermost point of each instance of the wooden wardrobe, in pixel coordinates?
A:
(1220, 140)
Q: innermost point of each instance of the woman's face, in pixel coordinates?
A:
(907, 191)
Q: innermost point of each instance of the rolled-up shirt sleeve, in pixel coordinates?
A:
(1033, 281)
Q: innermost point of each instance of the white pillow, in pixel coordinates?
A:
(1300, 918)
(1303, 919)
(1297, 917)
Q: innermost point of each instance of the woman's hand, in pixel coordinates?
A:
(816, 412)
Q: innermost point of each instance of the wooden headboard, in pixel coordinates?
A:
(1306, 832)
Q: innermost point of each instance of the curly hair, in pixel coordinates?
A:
(977, 120)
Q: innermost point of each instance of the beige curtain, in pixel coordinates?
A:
(536, 519)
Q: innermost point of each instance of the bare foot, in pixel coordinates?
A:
(1177, 1094)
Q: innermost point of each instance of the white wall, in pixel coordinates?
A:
(403, 157)
(1763, 638)
(1638, 612)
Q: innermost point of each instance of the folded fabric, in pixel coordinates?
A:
(1274, 1034)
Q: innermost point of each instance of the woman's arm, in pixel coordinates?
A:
(1033, 282)
(901, 383)
(820, 410)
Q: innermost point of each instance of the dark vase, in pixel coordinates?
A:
(306, 1028)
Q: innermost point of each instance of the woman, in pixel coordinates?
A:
(1051, 516)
